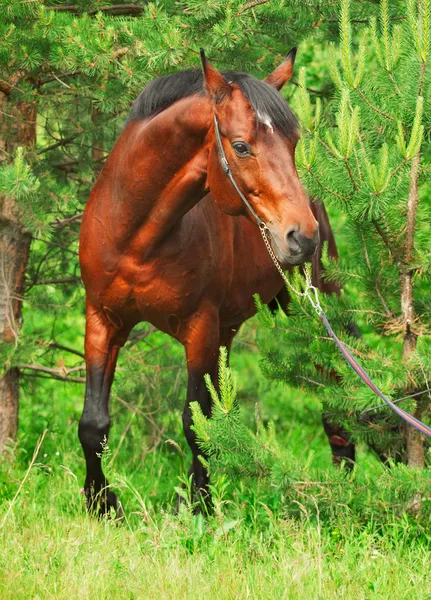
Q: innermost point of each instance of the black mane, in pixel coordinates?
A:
(161, 93)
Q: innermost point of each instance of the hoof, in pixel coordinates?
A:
(201, 503)
(103, 504)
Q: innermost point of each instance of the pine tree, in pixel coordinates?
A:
(366, 154)
(289, 484)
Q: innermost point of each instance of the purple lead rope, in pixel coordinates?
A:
(366, 379)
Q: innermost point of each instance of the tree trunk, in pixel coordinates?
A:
(97, 149)
(414, 439)
(17, 128)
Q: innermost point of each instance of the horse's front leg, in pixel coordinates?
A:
(202, 350)
(101, 352)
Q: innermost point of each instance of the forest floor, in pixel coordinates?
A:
(50, 548)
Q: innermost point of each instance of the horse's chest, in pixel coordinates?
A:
(164, 291)
(167, 289)
(257, 276)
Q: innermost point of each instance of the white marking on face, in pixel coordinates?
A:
(264, 118)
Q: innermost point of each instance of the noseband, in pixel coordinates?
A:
(226, 168)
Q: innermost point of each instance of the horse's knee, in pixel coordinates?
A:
(93, 431)
(187, 425)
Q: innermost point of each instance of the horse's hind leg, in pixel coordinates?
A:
(339, 439)
(341, 446)
(102, 343)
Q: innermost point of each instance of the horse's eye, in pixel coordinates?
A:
(241, 148)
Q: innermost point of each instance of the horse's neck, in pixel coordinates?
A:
(157, 171)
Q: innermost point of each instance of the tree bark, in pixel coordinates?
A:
(97, 149)
(414, 440)
(17, 128)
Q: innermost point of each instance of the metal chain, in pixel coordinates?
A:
(310, 292)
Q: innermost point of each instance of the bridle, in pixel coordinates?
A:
(312, 294)
(226, 168)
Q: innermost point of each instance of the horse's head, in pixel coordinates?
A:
(258, 134)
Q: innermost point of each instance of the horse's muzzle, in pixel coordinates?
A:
(301, 248)
(293, 248)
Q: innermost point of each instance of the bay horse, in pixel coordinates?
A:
(156, 246)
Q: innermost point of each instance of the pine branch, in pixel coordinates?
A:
(57, 245)
(374, 108)
(58, 223)
(113, 10)
(60, 374)
(325, 188)
(349, 171)
(66, 349)
(376, 286)
(53, 77)
(388, 243)
(138, 336)
(62, 142)
(328, 89)
(72, 8)
(380, 406)
(397, 89)
(52, 281)
(249, 5)
(42, 376)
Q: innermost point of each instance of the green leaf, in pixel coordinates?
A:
(417, 130)
(227, 527)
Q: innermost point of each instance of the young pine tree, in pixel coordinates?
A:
(368, 157)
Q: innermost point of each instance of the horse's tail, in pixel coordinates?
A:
(318, 270)
(326, 236)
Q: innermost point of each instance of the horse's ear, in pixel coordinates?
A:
(215, 84)
(281, 75)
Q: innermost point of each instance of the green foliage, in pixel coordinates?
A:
(80, 67)
(224, 439)
(256, 539)
(294, 485)
(17, 180)
(358, 156)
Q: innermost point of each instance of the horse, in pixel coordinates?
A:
(165, 237)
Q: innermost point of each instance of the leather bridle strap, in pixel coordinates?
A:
(225, 166)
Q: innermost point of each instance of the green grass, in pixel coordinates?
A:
(249, 548)
(51, 549)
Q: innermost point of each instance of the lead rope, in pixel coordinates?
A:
(312, 294)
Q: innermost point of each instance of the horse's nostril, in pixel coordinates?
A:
(294, 239)
(302, 244)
